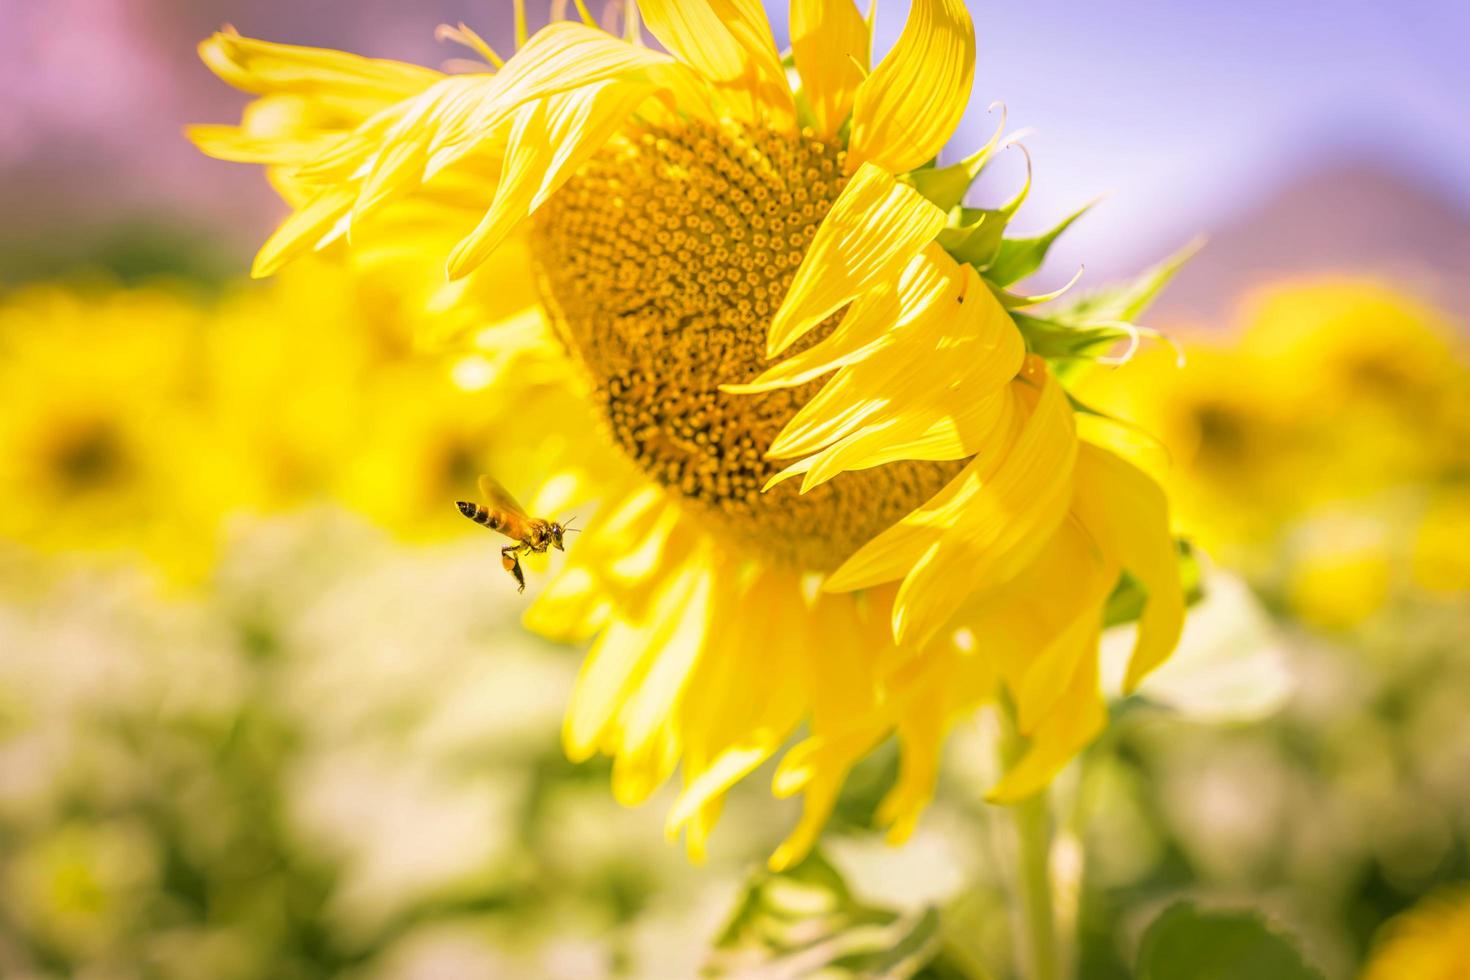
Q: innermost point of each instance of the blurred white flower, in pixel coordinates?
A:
(403, 830)
(1230, 665)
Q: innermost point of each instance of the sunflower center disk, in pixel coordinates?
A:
(662, 264)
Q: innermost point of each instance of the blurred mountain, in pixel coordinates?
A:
(1356, 219)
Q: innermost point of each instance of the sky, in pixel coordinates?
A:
(1183, 114)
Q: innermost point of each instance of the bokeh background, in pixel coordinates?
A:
(265, 709)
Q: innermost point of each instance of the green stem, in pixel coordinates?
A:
(1032, 820)
(1033, 834)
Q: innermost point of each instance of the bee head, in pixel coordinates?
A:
(557, 530)
(466, 508)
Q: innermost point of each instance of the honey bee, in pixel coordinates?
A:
(532, 535)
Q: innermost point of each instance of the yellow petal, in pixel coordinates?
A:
(928, 282)
(618, 663)
(875, 228)
(908, 108)
(921, 733)
(816, 768)
(930, 391)
(734, 718)
(730, 43)
(563, 56)
(608, 675)
(696, 842)
(952, 428)
(473, 113)
(398, 158)
(830, 41)
(548, 142)
(572, 608)
(354, 151)
(302, 231)
(894, 553)
(264, 67)
(650, 744)
(816, 805)
(891, 555)
(728, 768)
(1045, 683)
(1037, 626)
(863, 329)
(843, 653)
(847, 719)
(1001, 527)
(237, 145)
(1127, 513)
(1076, 720)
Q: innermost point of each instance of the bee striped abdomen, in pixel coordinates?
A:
(481, 514)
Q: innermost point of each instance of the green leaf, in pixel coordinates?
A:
(899, 951)
(1018, 258)
(1126, 603)
(807, 921)
(1188, 943)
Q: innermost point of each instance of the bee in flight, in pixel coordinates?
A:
(531, 535)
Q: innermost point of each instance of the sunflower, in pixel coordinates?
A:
(1431, 941)
(106, 450)
(1323, 448)
(377, 429)
(839, 490)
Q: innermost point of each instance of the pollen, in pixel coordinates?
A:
(662, 263)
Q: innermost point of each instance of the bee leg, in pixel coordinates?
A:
(511, 562)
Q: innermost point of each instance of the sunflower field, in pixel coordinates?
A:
(884, 568)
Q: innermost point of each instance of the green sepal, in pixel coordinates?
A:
(1016, 301)
(1089, 325)
(959, 238)
(1060, 340)
(1017, 258)
(947, 186)
(1125, 301)
(1129, 596)
(975, 234)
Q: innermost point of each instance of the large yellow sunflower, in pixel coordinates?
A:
(838, 486)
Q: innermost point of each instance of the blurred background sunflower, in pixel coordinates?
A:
(265, 705)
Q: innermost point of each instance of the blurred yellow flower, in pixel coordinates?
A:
(1336, 581)
(1324, 449)
(100, 417)
(1441, 560)
(873, 554)
(317, 387)
(136, 421)
(78, 888)
(1431, 941)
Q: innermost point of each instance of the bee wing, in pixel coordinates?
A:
(497, 498)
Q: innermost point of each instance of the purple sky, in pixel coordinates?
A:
(1184, 113)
